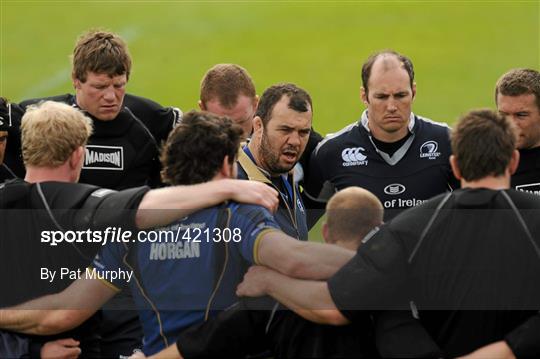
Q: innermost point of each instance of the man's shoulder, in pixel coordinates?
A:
(349, 135)
(60, 195)
(525, 199)
(429, 126)
(244, 209)
(158, 119)
(65, 98)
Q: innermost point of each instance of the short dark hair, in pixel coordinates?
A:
(100, 52)
(300, 101)
(406, 63)
(483, 143)
(195, 149)
(225, 82)
(518, 82)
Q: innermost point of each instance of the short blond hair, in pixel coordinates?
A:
(51, 131)
(352, 213)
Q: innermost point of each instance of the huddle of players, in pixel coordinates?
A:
(402, 158)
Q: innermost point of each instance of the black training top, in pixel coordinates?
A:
(256, 325)
(27, 211)
(417, 171)
(124, 152)
(465, 259)
(527, 176)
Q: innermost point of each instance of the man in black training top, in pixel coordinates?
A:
(518, 96)
(469, 261)
(401, 157)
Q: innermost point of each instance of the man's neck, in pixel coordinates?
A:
(495, 183)
(46, 174)
(389, 137)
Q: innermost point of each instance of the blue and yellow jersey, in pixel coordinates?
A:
(188, 269)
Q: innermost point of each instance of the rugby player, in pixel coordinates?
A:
(401, 157)
(517, 96)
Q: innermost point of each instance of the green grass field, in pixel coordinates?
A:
(459, 48)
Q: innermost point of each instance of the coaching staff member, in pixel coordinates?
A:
(281, 129)
(53, 139)
(473, 253)
(401, 157)
(228, 90)
(517, 95)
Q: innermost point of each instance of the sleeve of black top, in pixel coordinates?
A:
(118, 209)
(525, 339)
(399, 335)
(376, 278)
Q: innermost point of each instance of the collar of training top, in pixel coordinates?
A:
(364, 121)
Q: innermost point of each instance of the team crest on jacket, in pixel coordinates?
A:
(429, 150)
(104, 158)
(354, 157)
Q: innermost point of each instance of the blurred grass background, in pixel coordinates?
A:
(459, 48)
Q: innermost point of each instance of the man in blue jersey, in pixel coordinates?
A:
(182, 280)
(401, 157)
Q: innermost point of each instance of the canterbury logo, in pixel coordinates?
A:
(354, 157)
(104, 158)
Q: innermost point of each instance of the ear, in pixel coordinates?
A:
(364, 95)
(256, 102)
(257, 124)
(325, 233)
(226, 169)
(76, 82)
(514, 162)
(413, 90)
(202, 107)
(455, 167)
(76, 157)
